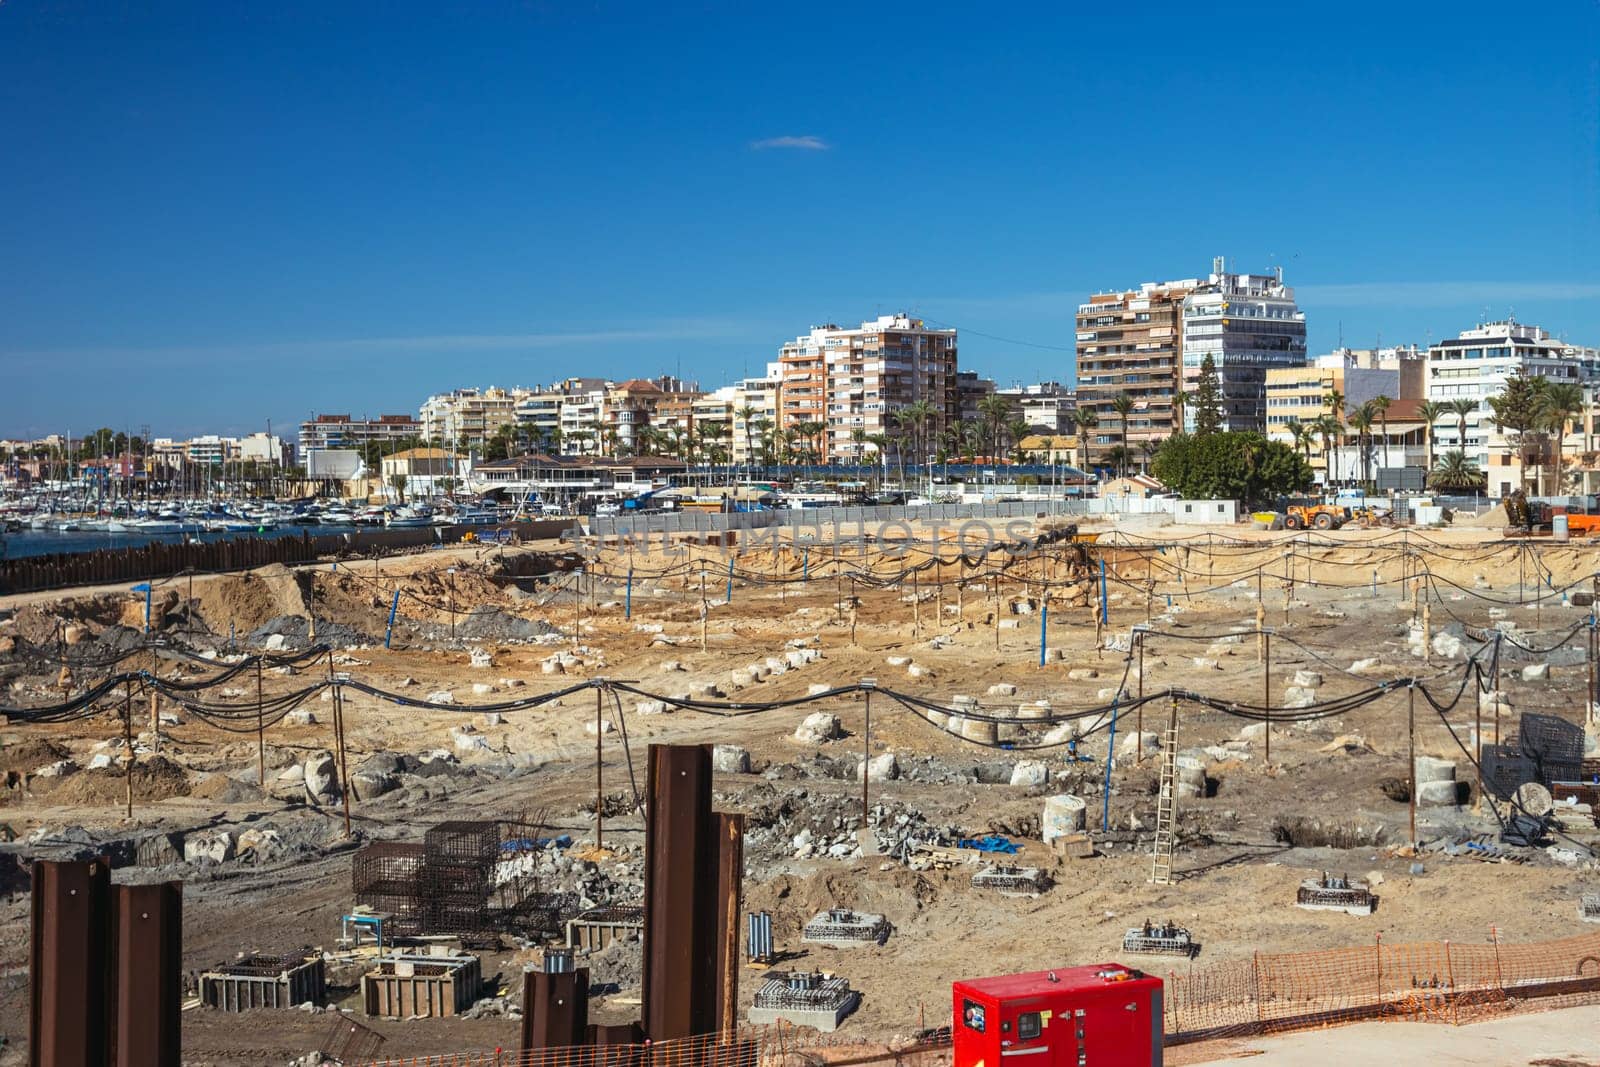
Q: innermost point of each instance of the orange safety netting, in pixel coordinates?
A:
(1426, 981)
(1429, 981)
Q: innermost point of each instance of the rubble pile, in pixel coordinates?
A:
(803, 826)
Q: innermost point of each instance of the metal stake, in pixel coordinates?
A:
(1411, 753)
(599, 780)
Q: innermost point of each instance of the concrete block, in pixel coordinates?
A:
(1437, 794)
(818, 728)
(1536, 672)
(1429, 769)
(1063, 815)
(730, 759)
(1029, 774)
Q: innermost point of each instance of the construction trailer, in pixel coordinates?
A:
(1105, 1014)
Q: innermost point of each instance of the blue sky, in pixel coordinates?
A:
(217, 214)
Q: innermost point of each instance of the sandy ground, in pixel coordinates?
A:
(1238, 867)
(1567, 1038)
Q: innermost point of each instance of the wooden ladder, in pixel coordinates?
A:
(1166, 803)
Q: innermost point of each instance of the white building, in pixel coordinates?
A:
(1247, 324)
(266, 449)
(464, 419)
(1475, 365)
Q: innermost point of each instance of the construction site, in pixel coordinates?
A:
(763, 793)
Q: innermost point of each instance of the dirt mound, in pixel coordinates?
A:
(1494, 518)
(27, 756)
(248, 601)
(225, 790)
(493, 624)
(154, 778)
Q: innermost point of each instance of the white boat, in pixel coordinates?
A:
(405, 518)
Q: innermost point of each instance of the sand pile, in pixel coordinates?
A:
(154, 778)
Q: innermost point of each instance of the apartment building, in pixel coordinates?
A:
(628, 409)
(1248, 324)
(1474, 366)
(1299, 394)
(465, 419)
(755, 414)
(583, 421)
(323, 432)
(1131, 341)
(853, 381)
(971, 391)
(1047, 407)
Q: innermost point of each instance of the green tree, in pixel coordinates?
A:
(1207, 399)
(501, 444)
(1563, 402)
(1087, 421)
(1431, 412)
(1122, 404)
(1361, 422)
(994, 410)
(1239, 466)
(1461, 407)
(1455, 471)
(1335, 416)
(1380, 408)
(1519, 408)
(399, 483)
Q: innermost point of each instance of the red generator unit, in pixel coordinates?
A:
(1104, 1015)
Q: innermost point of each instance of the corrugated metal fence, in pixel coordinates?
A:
(140, 563)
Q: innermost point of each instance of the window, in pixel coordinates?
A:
(972, 1015)
(1028, 1026)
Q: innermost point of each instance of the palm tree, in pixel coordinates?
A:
(1562, 402)
(1361, 422)
(1326, 428)
(1461, 407)
(746, 413)
(1087, 421)
(1380, 407)
(1455, 471)
(1300, 434)
(858, 437)
(1180, 400)
(994, 409)
(1123, 406)
(1017, 429)
(880, 447)
(1335, 401)
(1431, 412)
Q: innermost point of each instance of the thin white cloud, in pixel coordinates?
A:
(806, 142)
(1443, 294)
(427, 344)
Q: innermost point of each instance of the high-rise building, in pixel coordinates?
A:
(1474, 365)
(465, 419)
(323, 432)
(1131, 342)
(853, 381)
(1248, 324)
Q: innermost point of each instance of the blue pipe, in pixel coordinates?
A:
(388, 632)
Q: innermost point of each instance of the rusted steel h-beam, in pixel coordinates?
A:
(555, 1009)
(70, 952)
(730, 899)
(680, 885)
(147, 989)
